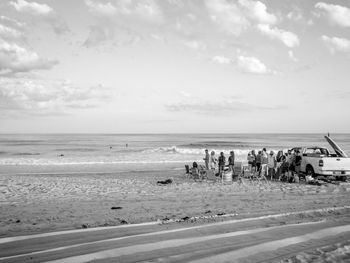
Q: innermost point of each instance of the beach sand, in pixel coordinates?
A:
(38, 203)
(33, 204)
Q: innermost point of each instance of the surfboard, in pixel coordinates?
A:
(336, 148)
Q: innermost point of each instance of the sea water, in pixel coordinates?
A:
(108, 153)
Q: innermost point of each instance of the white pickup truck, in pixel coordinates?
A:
(318, 161)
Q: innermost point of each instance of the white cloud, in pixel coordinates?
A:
(227, 15)
(236, 16)
(290, 39)
(38, 96)
(11, 22)
(252, 65)
(185, 94)
(147, 9)
(9, 33)
(31, 7)
(41, 14)
(257, 10)
(221, 60)
(14, 58)
(336, 14)
(295, 15)
(122, 22)
(337, 44)
(102, 35)
(196, 45)
(100, 8)
(221, 107)
(291, 56)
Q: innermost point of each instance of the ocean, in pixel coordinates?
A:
(108, 153)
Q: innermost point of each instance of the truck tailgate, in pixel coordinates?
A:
(336, 164)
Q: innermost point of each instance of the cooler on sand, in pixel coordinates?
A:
(227, 176)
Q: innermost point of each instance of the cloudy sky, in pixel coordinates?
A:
(140, 66)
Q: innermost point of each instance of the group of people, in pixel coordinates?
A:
(211, 162)
(280, 166)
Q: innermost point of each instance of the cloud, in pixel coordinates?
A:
(14, 58)
(235, 17)
(32, 7)
(100, 35)
(9, 33)
(147, 9)
(196, 45)
(185, 94)
(122, 22)
(100, 8)
(336, 44)
(336, 14)
(245, 64)
(41, 12)
(11, 22)
(221, 60)
(291, 56)
(257, 11)
(38, 96)
(222, 107)
(290, 39)
(228, 16)
(252, 65)
(295, 15)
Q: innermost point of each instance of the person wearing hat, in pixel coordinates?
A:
(271, 164)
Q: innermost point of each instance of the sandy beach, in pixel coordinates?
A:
(35, 204)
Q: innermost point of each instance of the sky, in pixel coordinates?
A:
(174, 66)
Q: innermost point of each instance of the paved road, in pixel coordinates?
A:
(265, 239)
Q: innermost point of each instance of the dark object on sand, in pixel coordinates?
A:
(116, 207)
(167, 181)
(221, 214)
(207, 212)
(18, 221)
(61, 155)
(123, 222)
(84, 226)
(185, 218)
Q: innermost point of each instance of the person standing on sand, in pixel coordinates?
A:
(284, 168)
(254, 160)
(206, 159)
(297, 166)
(212, 161)
(231, 161)
(264, 162)
(250, 161)
(222, 162)
(258, 161)
(271, 164)
(279, 159)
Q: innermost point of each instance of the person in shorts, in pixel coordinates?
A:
(231, 160)
(206, 159)
(222, 162)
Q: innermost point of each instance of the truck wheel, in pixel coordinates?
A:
(310, 171)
